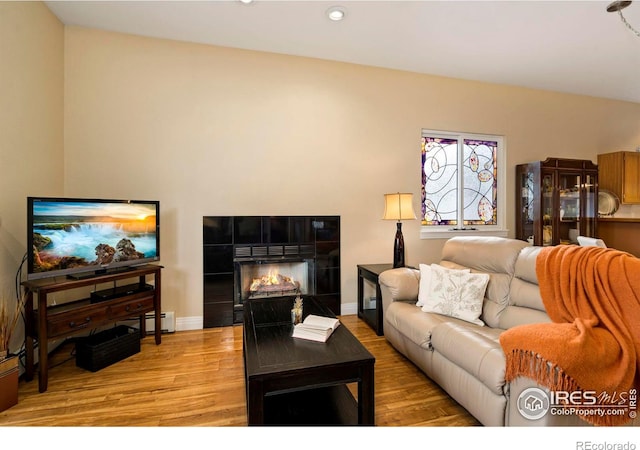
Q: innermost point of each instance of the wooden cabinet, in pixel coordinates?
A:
(44, 321)
(620, 233)
(620, 174)
(556, 201)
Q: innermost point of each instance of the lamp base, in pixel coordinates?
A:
(398, 248)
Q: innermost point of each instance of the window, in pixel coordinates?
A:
(462, 184)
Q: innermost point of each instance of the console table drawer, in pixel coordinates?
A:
(131, 308)
(72, 321)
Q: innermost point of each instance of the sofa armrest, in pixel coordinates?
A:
(399, 284)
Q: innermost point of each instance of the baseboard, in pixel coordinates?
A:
(348, 309)
(196, 322)
(168, 322)
(189, 323)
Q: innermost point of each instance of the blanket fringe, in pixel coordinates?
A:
(530, 364)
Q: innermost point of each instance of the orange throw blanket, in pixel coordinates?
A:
(592, 295)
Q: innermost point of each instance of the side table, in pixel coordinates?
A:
(370, 306)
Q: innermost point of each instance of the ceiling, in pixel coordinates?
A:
(567, 46)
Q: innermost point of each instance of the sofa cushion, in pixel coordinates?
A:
(483, 253)
(525, 302)
(412, 322)
(525, 291)
(456, 293)
(493, 255)
(476, 349)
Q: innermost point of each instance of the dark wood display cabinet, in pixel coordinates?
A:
(556, 201)
(45, 321)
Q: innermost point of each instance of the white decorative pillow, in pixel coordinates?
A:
(425, 282)
(456, 293)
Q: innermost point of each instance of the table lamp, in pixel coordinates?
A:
(398, 207)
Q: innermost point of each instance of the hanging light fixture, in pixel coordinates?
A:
(618, 6)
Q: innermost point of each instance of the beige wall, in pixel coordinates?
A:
(216, 131)
(31, 121)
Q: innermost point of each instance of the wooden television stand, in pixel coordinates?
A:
(46, 322)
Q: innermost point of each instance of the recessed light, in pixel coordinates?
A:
(336, 13)
(246, 2)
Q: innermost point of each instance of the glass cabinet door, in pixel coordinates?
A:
(528, 191)
(590, 211)
(548, 210)
(569, 193)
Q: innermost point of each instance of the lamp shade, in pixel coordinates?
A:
(398, 206)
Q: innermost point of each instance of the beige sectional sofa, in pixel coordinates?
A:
(466, 359)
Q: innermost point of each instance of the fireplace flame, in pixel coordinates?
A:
(271, 280)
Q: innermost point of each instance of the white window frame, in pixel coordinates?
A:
(447, 231)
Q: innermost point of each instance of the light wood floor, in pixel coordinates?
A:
(195, 378)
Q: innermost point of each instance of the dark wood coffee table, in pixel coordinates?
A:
(293, 381)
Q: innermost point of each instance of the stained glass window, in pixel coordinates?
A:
(439, 181)
(460, 180)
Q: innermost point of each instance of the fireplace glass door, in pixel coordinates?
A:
(264, 278)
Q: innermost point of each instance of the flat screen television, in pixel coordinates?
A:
(82, 237)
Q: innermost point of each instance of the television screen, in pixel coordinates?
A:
(73, 236)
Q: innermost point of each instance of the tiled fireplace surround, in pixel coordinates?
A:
(237, 248)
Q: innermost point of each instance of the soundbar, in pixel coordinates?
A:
(119, 291)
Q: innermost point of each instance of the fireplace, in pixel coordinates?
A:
(258, 257)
